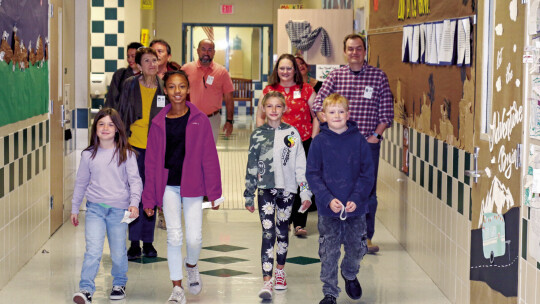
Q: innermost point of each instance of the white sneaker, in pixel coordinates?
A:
(177, 296)
(194, 279)
(82, 297)
(281, 282)
(266, 290)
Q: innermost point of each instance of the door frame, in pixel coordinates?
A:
(270, 27)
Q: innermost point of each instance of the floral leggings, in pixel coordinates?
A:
(275, 207)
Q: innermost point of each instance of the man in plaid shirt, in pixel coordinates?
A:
(371, 105)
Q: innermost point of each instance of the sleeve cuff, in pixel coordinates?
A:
(250, 201)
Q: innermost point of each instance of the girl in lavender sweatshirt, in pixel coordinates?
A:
(109, 178)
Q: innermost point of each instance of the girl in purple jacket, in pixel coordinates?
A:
(180, 141)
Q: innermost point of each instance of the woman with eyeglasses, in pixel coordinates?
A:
(287, 79)
(141, 100)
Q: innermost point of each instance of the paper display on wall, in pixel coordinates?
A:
(447, 42)
(446, 51)
(534, 238)
(463, 42)
(532, 179)
(535, 119)
(323, 70)
(406, 44)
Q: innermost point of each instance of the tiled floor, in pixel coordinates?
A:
(229, 261)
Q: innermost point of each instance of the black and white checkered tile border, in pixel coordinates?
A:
(433, 164)
(24, 156)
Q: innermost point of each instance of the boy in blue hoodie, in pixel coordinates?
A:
(340, 174)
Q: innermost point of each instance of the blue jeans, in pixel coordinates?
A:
(332, 233)
(173, 203)
(101, 220)
(372, 201)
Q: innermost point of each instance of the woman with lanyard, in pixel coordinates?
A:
(142, 98)
(287, 80)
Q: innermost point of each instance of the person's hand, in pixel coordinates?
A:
(216, 207)
(134, 212)
(305, 206)
(373, 140)
(149, 211)
(228, 128)
(350, 207)
(75, 219)
(335, 205)
(250, 208)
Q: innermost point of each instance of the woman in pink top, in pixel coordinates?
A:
(299, 96)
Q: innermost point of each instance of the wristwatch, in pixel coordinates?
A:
(379, 136)
(231, 121)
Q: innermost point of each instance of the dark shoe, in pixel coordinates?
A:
(134, 253)
(372, 248)
(118, 292)
(82, 297)
(328, 299)
(149, 251)
(352, 287)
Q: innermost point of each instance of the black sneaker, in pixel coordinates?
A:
(82, 297)
(133, 253)
(118, 292)
(352, 287)
(149, 251)
(328, 299)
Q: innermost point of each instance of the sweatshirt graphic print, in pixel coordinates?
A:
(276, 160)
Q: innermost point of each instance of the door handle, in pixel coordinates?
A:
(475, 173)
(63, 120)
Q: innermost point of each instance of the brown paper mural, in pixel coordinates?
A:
(434, 100)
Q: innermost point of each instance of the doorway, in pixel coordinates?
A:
(245, 50)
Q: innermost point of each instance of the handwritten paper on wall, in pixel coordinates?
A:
(463, 42)
(406, 44)
(446, 55)
(446, 42)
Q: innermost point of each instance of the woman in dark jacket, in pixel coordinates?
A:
(141, 100)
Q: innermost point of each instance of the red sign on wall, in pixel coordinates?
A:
(226, 9)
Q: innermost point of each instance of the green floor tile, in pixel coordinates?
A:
(300, 260)
(224, 248)
(224, 273)
(145, 260)
(223, 260)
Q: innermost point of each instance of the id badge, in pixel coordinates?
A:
(210, 80)
(297, 94)
(161, 101)
(368, 91)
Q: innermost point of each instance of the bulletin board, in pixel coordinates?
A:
(24, 90)
(435, 100)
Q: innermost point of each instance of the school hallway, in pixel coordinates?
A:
(229, 262)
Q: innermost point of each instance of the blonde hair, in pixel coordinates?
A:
(335, 99)
(274, 94)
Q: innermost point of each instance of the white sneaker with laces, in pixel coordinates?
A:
(194, 279)
(266, 290)
(281, 282)
(177, 296)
